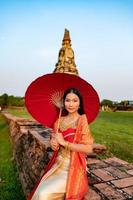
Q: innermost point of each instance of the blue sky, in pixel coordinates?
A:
(101, 31)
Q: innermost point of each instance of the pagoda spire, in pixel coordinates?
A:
(66, 62)
(66, 37)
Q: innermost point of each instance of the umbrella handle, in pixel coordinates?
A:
(59, 120)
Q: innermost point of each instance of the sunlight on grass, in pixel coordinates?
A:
(115, 130)
(22, 112)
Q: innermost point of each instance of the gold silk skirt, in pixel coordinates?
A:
(53, 184)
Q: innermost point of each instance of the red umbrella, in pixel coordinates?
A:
(39, 95)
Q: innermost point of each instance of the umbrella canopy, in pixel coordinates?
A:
(39, 95)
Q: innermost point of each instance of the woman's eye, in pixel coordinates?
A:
(75, 100)
(67, 100)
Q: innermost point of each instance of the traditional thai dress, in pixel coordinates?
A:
(65, 176)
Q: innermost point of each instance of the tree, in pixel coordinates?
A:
(4, 99)
(106, 102)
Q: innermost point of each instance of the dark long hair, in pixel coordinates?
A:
(74, 91)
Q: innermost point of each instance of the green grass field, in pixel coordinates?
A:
(21, 112)
(115, 130)
(10, 187)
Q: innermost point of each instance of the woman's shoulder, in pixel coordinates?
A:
(83, 117)
(83, 120)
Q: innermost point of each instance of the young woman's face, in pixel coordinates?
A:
(72, 103)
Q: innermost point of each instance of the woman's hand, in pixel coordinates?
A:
(60, 139)
(54, 144)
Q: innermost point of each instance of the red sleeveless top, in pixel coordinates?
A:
(69, 134)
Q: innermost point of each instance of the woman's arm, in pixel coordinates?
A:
(84, 148)
(54, 144)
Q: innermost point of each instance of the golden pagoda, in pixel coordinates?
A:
(66, 62)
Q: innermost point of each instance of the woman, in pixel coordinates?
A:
(65, 176)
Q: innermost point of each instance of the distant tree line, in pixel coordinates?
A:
(6, 100)
(107, 104)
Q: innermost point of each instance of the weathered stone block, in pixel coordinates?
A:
(92, 195)
(109, 192)
(117, 172)
(115, 161)
(102, 174)
(129, 190)
(122, 183)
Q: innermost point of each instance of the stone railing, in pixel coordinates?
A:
(31, 150)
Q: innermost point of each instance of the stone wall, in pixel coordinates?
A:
(31, 149)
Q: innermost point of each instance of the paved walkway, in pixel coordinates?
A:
(110, 179)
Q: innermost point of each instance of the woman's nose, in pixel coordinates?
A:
(71, 103)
